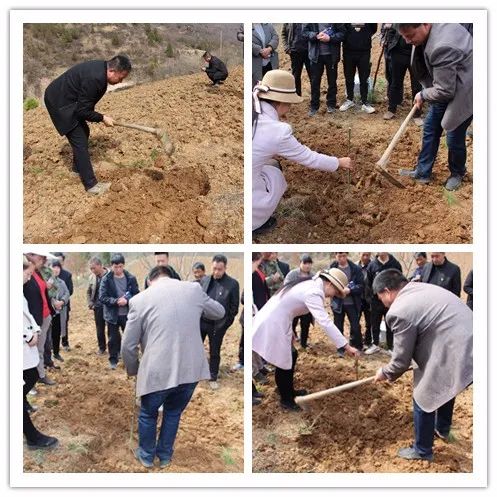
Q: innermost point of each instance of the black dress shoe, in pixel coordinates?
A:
(58, 357)
(267, 226)
(43, 442)
(290, 405)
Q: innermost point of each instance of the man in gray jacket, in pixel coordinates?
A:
(434, 328)
(164, 321)
(265, 41)
(442, 61)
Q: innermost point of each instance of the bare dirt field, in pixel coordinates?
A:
(200, 196)
(359, 430)
(91, 408)
(321, 207)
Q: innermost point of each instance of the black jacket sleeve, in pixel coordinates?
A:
(234, 302)
(88, 96)
(104, 294)
(456, 281)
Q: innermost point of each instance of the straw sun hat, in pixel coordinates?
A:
(279, 86)
(336, 277)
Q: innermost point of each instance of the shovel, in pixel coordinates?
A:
(380, 165)
(158, 132)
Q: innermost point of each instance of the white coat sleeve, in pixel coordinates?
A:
(314, 302)
(290, 148)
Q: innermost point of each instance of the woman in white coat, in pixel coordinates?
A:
(272, 329)
(271, 137)
(34, 438)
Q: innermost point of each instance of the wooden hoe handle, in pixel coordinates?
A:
(136, 126)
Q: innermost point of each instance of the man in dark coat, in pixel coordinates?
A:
(349, 306)
(380, 263)
(66, 277)
(366, 297)
(162, 259)
(468, 289)
(216, 69)
(295, 45)
(70, 100)
(324, 40)
(434, 329)
(441, 272)
(225, 290)
(117, 288)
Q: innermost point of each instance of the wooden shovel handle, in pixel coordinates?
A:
(396, 138)
(136, 126)
(330, 391)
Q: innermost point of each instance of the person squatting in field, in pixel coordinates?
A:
(271, 137)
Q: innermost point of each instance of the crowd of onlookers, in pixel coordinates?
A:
(47, 289)
(364, 311)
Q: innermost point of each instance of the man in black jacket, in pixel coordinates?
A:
(468, 289)
(295, 45)
(66, 277)
(117, 287)
(382, 261)
(225, 290)
(40, 307)
(357, 56)
(324, 40)
(441, 272)
(162, 259)
(70, 100)
(366, 297)
(216, 69)
(350, 306)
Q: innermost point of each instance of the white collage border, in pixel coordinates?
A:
(479, 475)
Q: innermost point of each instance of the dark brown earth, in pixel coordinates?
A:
(321, 207)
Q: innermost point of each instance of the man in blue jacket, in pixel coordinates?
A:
(70, 100)
(350, 306)
(117, 288)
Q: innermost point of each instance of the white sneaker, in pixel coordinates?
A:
(33, 391)
(389, 352)
(237, 367)
(374, 349)
(346, 105)
(214, 385)
(368, 108)
(98, 189)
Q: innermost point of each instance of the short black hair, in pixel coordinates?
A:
(220, 258)
(162, 253)
(55, 263)
(59, 254)
(117, 258)
(119, 63)
(420, 254)
(206, 54)
(95, 260)
(256, 256)
(199, 265)
(389, 279)
(158, 271)
(407, 25)
(306, 258)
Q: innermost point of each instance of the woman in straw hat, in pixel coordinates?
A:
(271, 137)
(272, 327)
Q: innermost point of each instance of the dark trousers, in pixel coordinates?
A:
(215, 342)
(361, 62)
(241, 348)
(115, 338)
(284, 380)
(355, 327)
(217, 76)
(47, 349)
(327, 62)
(266, 68)
(65, 339)
(305, 324)
(366, 310)
(78, 138)
(378, 311)
(30, 377)
(56, 334)
(98, 313)
(425, 424)
(399, 64)
(298, 61)
(456, 143)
